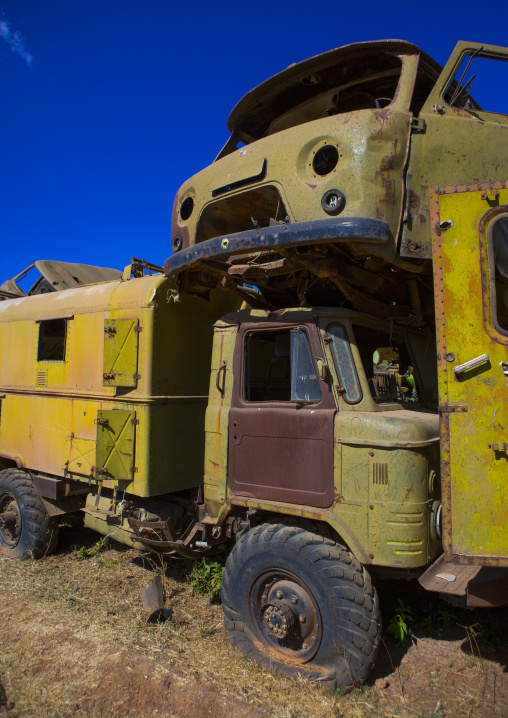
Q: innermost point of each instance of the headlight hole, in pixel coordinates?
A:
(186, 208)
(325, 160)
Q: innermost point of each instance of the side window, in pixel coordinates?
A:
(475, 84)
(279, 366)
(52, 336)
(498, 248)
(344, 362)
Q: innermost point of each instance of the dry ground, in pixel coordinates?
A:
(75, 642)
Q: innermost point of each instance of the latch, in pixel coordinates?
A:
(109, 377)
(109, 330)
(504, 368)
(418, 125)
(102, 422)
(492, 196)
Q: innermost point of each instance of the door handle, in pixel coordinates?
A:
(471, 364)
(217, 378)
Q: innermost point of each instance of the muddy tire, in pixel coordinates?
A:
(26, 530)
(299, 603)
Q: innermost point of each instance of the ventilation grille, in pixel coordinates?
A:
(379, 473)
(41, 379)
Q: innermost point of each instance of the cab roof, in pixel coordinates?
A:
(258, 108)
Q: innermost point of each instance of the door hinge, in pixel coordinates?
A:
(418, 125)
(452, 409)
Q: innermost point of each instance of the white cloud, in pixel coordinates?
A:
(15, 41)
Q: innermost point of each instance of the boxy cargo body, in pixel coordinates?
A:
(108, 382)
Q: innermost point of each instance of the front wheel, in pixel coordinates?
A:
(26, 530)
(296, 602)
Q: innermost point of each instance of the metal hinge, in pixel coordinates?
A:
(418, 125)
(135, 422)
(451, 409)
(498, 447)
(138, 329)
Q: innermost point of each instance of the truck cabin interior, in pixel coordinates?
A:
(279, 366)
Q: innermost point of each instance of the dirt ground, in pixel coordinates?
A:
(75, 642)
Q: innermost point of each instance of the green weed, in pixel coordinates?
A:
(399, 626)
(206, 577)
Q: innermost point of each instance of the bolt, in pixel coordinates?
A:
(279, 594)
(294, 599)
(304, 645)
(302, 618)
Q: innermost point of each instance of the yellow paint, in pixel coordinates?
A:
(475, 499)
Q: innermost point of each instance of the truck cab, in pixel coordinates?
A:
(331, 415)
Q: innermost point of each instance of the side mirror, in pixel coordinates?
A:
(322, 369)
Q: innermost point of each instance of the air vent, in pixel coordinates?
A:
(41, 379)
(379, 473)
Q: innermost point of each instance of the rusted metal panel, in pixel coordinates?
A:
(121, 352)
(473, 402)
(280, 450)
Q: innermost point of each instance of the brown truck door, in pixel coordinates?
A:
(281, 418)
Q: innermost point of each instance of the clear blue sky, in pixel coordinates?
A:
(109, 105)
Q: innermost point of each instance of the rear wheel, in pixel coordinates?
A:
(26, 530)
(296, 602)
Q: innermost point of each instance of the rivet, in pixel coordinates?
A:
(279, 594)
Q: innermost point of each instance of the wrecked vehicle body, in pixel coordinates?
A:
(321, 194)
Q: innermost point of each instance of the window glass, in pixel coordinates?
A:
(279, 367)
(52, 333)
(476, 85)
(386, 362)
(304, 378)
(499, 246)
(345, 364)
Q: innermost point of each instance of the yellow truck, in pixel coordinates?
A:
(252, 397)
(186, 427)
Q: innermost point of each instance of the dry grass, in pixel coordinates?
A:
(75, 642)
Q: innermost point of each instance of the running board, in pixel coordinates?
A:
(474, 586)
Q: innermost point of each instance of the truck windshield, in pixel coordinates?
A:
(364, 82)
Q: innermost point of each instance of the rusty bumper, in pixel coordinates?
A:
(278, 237)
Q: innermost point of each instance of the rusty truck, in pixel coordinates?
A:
(296, 391)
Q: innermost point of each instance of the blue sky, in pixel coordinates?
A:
(109, 105)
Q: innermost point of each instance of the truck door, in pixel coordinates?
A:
(460, 135)
(281, 418)
(470, 255)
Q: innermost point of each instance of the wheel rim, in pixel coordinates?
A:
(10, 521)
(286, 615)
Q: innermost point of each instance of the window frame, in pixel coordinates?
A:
(335, 362)
(245, 364)
(492, 272)
(41, 322)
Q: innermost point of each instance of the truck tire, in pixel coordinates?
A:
(26, 530)
(299, 603)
